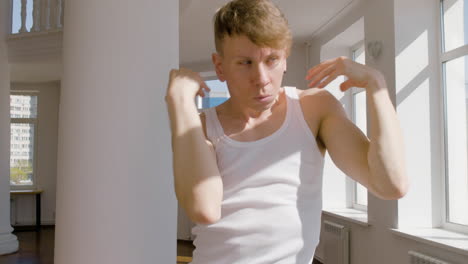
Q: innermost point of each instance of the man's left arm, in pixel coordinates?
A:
(377, 163)
(386, 149)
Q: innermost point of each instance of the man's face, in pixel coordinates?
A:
(253, 74)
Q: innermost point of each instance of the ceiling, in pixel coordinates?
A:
(196, 33)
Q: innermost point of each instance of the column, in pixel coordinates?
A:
(115, 194)
(8, 241)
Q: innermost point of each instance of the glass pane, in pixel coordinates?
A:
(455, 15)
(361, 194)
(360, 111)
(219, 94)
(360, 119)
(22, 154)
(16, 16)
(456, 85)
(23, 106)
(29, 14)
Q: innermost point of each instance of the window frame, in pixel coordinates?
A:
(206, 76)
(444, 57)
(33, 121)
(354, 91)
(10, 18)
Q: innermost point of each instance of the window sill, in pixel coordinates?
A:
(348, 214)
(441, 238)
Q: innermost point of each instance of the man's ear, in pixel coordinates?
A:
(218, 63)
(285, 66)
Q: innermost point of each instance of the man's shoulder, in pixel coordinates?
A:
(313, 94)
(318, 100)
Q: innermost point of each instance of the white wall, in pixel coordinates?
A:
(115, 192)
(418, 99)
(46, 170)
(297, 68)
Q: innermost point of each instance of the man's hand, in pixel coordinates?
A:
(358, 75)
(185, 84)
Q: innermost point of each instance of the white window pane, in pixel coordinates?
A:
(360, 111)
(219, 94)
(456, 107)
(455, 16)
(360, 119)
(23, 106)
(361, 194)
(22, 154)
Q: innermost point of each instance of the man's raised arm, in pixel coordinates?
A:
(197, 181)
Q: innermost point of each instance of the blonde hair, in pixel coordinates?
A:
(260, 20)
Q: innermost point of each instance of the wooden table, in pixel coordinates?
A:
(37, 193)
(183, 259)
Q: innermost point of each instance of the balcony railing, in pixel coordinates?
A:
(36, 16)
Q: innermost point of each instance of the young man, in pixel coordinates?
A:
(249, 172)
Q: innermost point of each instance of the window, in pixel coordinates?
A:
(219, 94)
(359, 117)
(454, 63)
(23, 114)
(16, 15)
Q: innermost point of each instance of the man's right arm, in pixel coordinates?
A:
(197, 181)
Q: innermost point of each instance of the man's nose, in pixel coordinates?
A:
(260, 75)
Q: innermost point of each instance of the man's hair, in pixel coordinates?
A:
(260, 20)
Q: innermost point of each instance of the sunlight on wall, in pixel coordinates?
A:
(412, 61)
(454, 36)
(413, 108)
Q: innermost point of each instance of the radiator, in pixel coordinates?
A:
(418, 258)
(336, 243)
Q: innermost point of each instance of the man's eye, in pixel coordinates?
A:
(272, 60)
(245, 62)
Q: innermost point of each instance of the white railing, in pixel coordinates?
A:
(36, 15)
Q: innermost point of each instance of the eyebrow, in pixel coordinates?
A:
(273, 54)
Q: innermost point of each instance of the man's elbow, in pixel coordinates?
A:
(206, 216)
(394, 190)
(398, 192)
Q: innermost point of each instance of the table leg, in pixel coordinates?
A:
(38, 211)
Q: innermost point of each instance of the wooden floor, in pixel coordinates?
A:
(38, 248)
(35, 247)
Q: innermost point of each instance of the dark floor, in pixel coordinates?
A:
(38, 247)
(35, 247)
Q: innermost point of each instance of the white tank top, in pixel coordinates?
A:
(272, 200)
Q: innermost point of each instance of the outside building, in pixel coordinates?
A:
(219, 94)
(23, 113)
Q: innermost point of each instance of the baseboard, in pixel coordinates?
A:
(33, 223)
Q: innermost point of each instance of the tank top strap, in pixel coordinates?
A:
(293, 100)
(214, 130)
